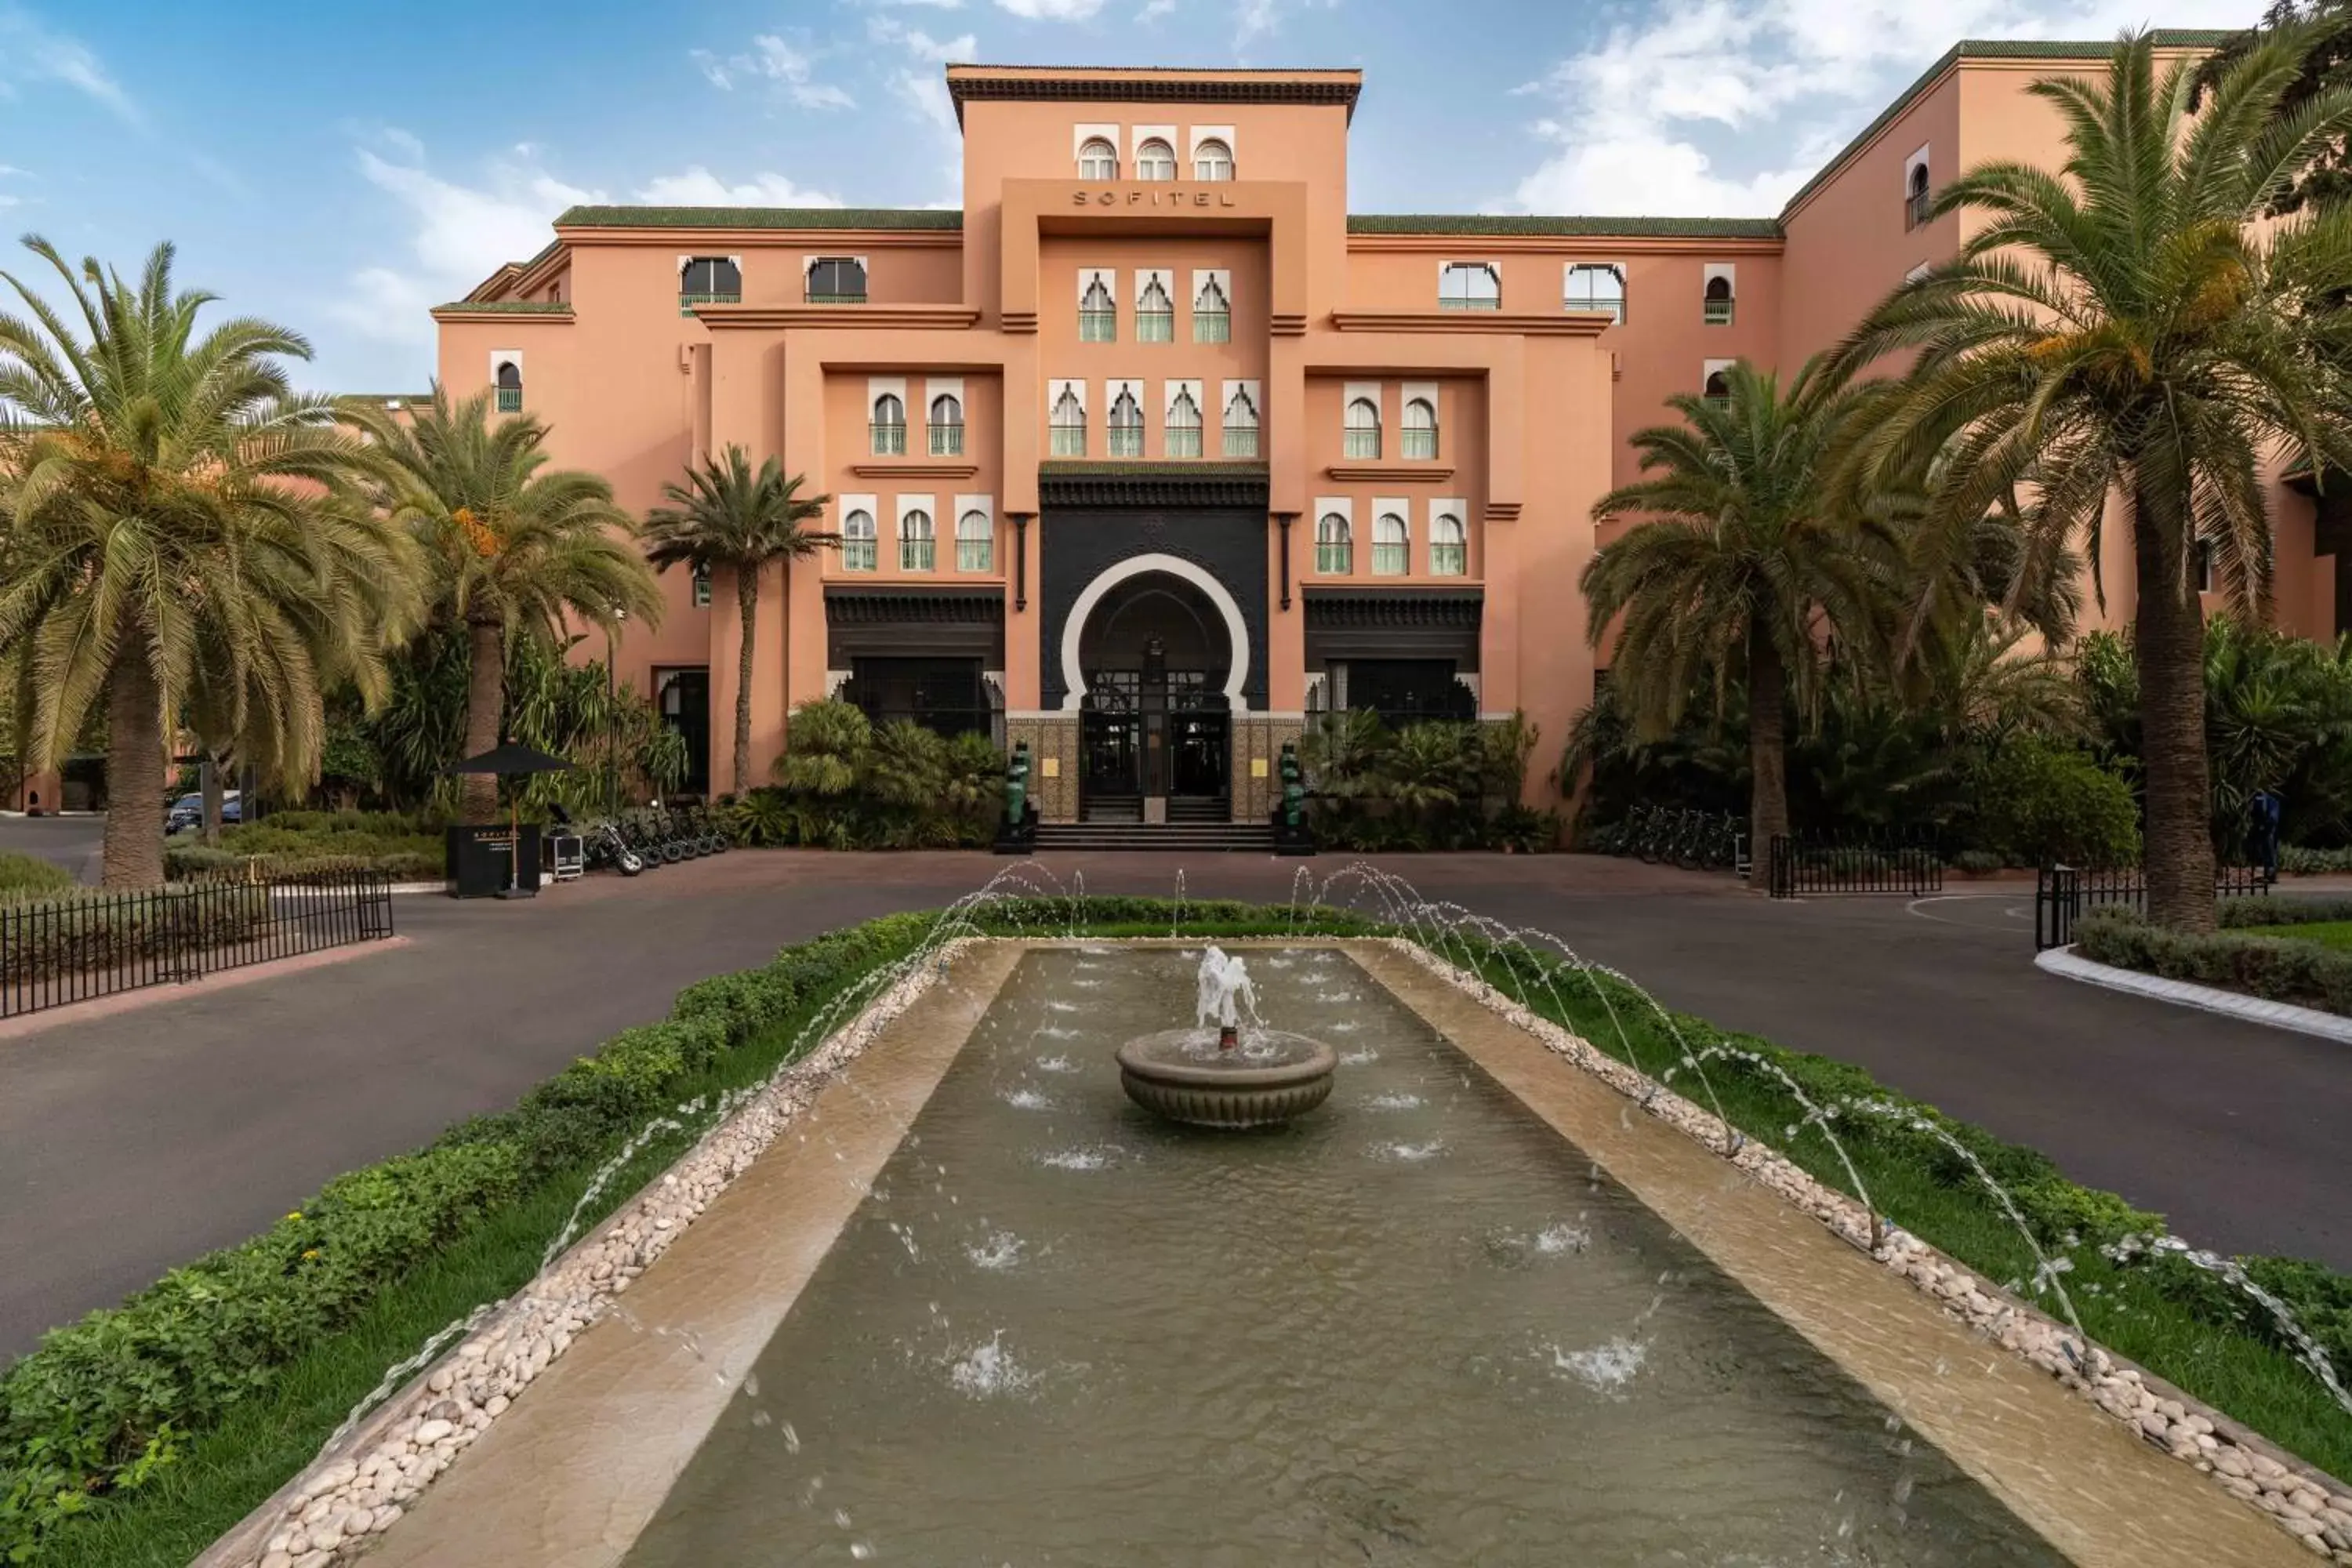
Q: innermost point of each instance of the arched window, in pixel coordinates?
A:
(857, 542)
(1449, 546)
(1155, 160)
(1212, 314)
(975, 541)
(1098, 160)
(1917, 197)
(1240, 425)
(1717, 309)
(1126, 426)
(1469, 286)
(1419, 428)
(1363, 432)
(1335, 552)
(1595, 286)
(708, 280)
(916, 548)
(1391, 545)
(1718, 387)
(947, 426)
(889, 428)
(836, 280)
(509, 387)
(1067, 424)
(1097, 314)
(1183, 425)
(1155, 314)
(1212, 160)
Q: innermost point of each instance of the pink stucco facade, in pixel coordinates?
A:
(1086, 513)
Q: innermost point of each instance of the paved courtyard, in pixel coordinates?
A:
(131, 1143)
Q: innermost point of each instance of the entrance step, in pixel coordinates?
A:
(1114, 808)
(1198, 808)
(1199, 837)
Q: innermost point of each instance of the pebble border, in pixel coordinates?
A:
(330, 1513)
(2313, 1506)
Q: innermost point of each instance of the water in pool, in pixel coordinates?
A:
(1413, 1328)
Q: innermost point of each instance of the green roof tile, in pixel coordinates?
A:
(1597, 227)
(512, 307)
(759, 217)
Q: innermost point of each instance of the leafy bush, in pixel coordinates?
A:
(2282, 912)
(2299, 860)
(1978, 861)
(2280, 970)
(21, 874)
(843, 784)
(1437, 785)
(2037, 803)
(82, 928)
(406, 846)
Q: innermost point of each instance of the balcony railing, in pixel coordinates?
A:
(917, 554)
(1917, 206)
(1241, 440)
(1419, 444)
(1335, 560)
(1213, 326)
(1155, 326)
(1097, 326)
(1360, 443)
(889, 440)
(1716, 314)
(857, 555)
(1069, 440)
(1388, 560)
(814, 297)
(947, 440)
(1458, 302)
(1183, 440)
(1127, 440)
(686, 302)
(1449, 560)
(510, 399)
(974, 555)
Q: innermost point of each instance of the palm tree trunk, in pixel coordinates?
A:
(132, 853)
(746, 599)
(2169, 644)
(215, 796)
(486, 691)
(1768, 764)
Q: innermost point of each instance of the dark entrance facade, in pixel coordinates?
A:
(1155, 735)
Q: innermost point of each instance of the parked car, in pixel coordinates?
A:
(188, 811)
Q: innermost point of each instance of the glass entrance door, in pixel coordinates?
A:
(1111, 760)
(1197, 754)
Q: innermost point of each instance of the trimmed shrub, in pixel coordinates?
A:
(21, 874)
(2280, 970)
(2039, 803)
(2297, 860)
(1978, 860)
(2282, 912)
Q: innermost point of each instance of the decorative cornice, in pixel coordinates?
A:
(1149, 84)
(885, 318)
(1492, 227)
(1503, 511)
(1178, 483)
(914, 469)
(880, 605)
(1021, 321)
(1513, 324)
(1286, 324)
(1390, 473)
(1330, 609)
(503, 311)
(1598, 246)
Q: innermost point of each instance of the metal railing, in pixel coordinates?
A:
(1677, 836)
(1127, 440)
(2063, 893)
(1213, 326)
(1420, 443)
(55, 952)
(1181, 440)
(889, 440)
(1068, 440)
(1894, 862)
(827, 297)
(1241, 440)
(1716, 314)
(510, 399)
(947, 440)
(686, 302)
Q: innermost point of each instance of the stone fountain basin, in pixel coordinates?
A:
(1273, 1076)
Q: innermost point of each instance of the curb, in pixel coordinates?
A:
(2064, 961)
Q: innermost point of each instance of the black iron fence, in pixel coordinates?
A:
(2061, 894)
(95, 944)
(1894, 862)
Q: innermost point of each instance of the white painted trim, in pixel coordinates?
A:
(1168, 392)
(1112, 388)
(1707, 368)
(1351, 390)
(1196, 134)
(1054, 390)
(1915, 162)
(1086, 132)
(1427, 392)
(1712, 270)
(925, 504)
(1400, 508)
(1257, 405)
(808, 264)
(933, 386)
(505, 356)
(877, 387)
(1222, 276)
(1147, 275)
(1236, 629)
(1087, 276)
(2066, 963)
(1137, 135)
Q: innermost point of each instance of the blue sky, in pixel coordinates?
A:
(339, 168)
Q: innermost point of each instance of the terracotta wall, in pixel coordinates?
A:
(1456, 475)
(1060, 261)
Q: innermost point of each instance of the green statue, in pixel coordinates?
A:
(1016, 786)
(1294, 788)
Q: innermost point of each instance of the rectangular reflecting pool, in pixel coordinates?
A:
(1415, 1327)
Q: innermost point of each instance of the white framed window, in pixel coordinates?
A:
(889, 429)
(1360, 426)
(1097, 305)
(1155, 307)
(1182, 439)
(506, 375)
(1066, 419)
(1392, 540)
(1594, 286)
(1241, 419)
(1155, 159)
(947, 426)
(1335, 541)
(1469, 286)
(1212, 306)
(1449, 541)
(1097, 159)
(1918, 195)
(917, 540)
(1717, 294)
(975, 534)
(1212, 160)
(702, 586)
(708, 280)
(1126, 420)
(1419, 437)
(1715, 380)
(859, 537)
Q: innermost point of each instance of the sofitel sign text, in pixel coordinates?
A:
(1158, 198)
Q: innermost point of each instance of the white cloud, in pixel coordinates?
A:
(1724, 107)
(459, 234)
(1255, 19)
(1052, 10)
(9, 170)
(921, 86)
(29, 52)
(777, 61)
(1155, 9)
(698, 187)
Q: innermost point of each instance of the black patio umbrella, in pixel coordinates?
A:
(513, 759)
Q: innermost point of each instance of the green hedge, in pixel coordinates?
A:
(2265, 912)
(21, 874)
(407, 845)
(2303, 972)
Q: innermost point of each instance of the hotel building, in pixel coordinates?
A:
(1154, 449)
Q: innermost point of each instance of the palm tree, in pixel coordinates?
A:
(184, 541)
(727, 516)
(515, 548)
(1745, 569)
(2124, 332)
